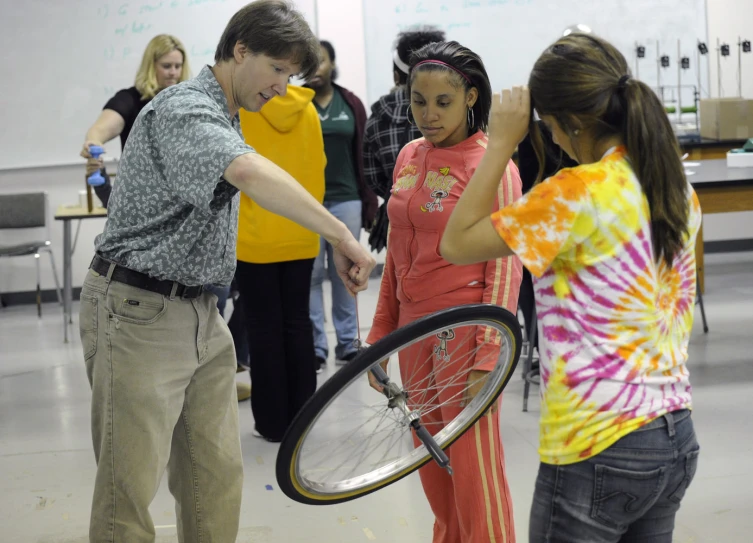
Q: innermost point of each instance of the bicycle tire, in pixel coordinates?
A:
(294, 438)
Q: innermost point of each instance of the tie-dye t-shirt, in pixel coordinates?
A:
(614, 325)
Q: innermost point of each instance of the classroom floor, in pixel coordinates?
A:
(47, 465)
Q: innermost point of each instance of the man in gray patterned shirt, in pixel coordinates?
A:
(159, 358)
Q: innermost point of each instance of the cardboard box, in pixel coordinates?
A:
(727, 119)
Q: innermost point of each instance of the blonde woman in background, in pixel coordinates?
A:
(164, 63)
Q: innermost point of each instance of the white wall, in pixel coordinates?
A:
(341, 22)
(729, 20)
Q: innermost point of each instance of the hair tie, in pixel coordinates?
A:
(432, 61)
(622, 83)
(402, 66)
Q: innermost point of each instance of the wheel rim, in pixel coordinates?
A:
(358, 442)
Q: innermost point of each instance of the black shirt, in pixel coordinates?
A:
(128, 104)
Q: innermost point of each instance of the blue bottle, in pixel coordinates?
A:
(96, 179)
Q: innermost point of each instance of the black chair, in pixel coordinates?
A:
(29, 211)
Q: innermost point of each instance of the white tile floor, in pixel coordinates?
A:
(47, 465)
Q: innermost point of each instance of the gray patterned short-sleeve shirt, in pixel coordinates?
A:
(171, 214)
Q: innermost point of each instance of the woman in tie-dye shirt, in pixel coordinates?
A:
(611, 243)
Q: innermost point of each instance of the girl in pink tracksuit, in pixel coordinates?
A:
(450, 102)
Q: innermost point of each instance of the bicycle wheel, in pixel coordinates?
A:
(350, 440)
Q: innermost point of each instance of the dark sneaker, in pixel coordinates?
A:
(346, 358)
(321, 363)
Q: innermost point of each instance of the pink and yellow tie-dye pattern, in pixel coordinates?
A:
(614, 324)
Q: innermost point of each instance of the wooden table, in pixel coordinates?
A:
(68, 214)
(720, 190)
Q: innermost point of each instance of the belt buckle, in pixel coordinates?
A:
(184, 292)
(188, 291)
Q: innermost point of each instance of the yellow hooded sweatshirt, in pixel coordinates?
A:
(287, 131)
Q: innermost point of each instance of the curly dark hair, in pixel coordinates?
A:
(412, 40)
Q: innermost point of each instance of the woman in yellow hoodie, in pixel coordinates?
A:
(275, 261)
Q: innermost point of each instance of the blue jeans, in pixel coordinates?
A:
(343, 304)
(629, 492)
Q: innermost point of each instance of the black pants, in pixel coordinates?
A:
(526, 301)
(275, 300)
(239, 329)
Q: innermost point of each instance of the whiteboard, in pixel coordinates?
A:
(509, 35)
(62, 60)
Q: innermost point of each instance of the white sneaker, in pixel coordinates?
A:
(257, 434)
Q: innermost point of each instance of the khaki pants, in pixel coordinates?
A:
(162, 373)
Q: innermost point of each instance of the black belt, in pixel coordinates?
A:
(144, 281)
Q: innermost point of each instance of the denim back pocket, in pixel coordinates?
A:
(691, 464)
(622, 496)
